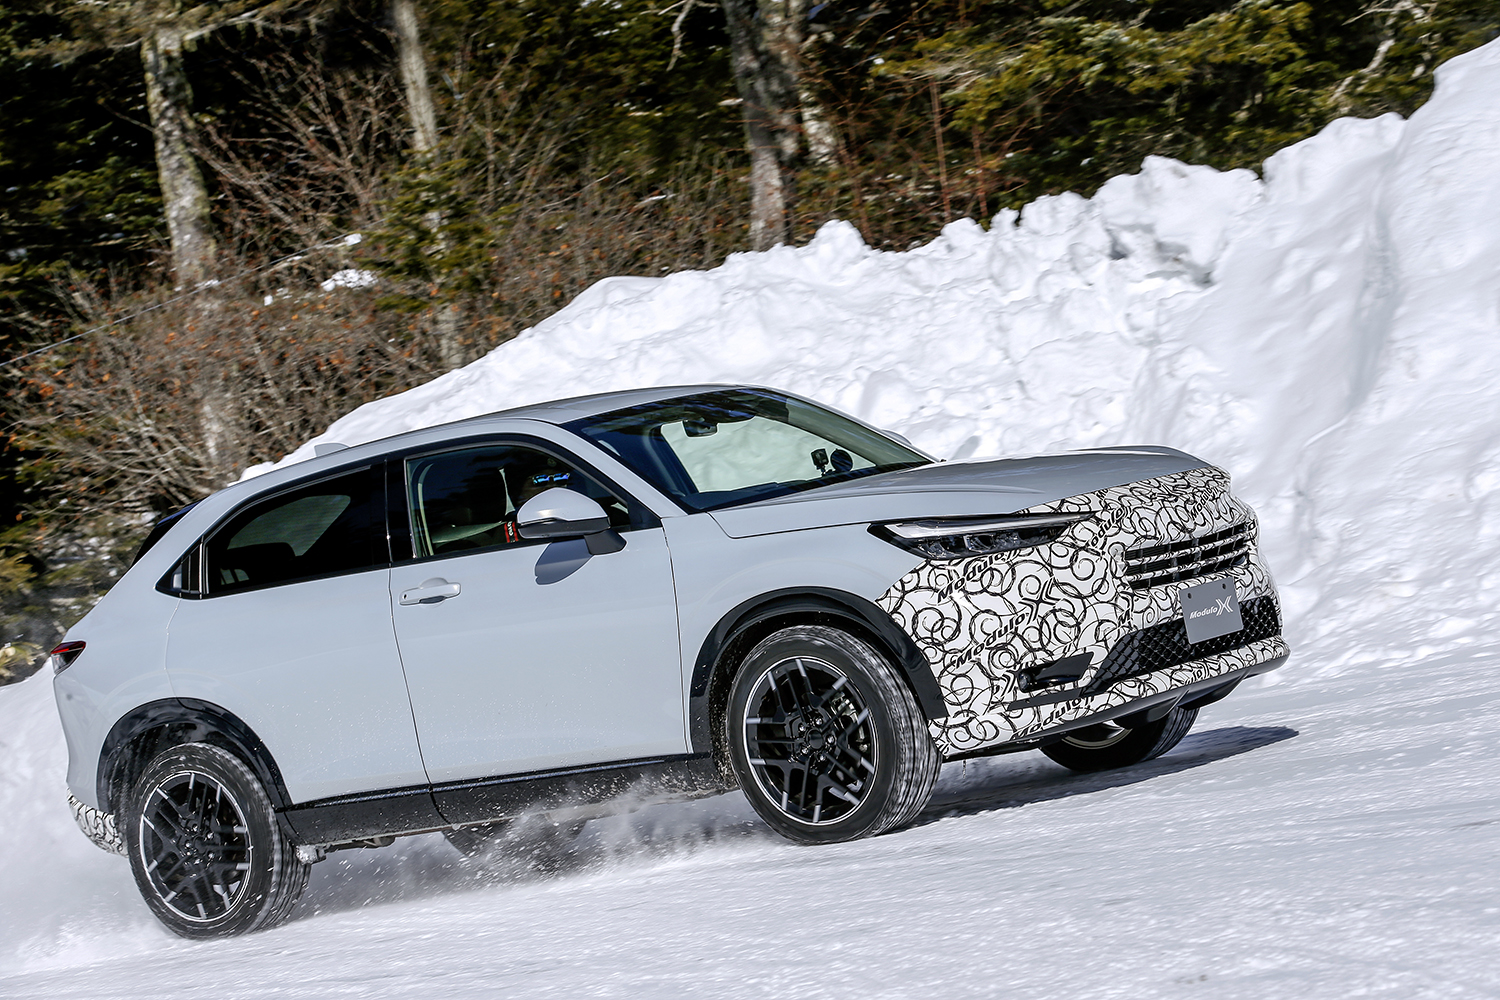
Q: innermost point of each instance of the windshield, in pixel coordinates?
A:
(731, 446)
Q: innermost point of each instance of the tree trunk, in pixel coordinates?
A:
(169, 101)
(763, 38)
(412, 60)
(784, 30)
(822, 139)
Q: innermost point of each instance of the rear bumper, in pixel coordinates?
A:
(98, 826)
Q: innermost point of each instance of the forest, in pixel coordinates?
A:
(224, 224)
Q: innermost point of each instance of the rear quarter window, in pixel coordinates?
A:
(336, 525)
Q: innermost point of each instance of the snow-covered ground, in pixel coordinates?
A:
(1331, 335)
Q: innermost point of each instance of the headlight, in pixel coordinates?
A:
(960, 538)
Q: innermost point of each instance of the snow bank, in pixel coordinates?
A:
(1328, 334)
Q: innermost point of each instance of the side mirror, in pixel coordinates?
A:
(560, 513)
(563, 513)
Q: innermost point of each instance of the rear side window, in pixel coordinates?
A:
(333, 526)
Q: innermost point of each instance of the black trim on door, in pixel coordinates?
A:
(364, 816)
(483, 800)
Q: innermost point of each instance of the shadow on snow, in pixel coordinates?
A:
(991, 787)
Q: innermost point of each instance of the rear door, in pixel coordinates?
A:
(292, 632)
(527, 656)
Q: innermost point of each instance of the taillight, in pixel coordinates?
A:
(63, 656)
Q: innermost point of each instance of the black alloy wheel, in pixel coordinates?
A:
(208, 853)
(809, 740)
(1107, 745)
(196, 844)
(826, 738)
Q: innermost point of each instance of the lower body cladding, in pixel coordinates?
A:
(1029, 644)
(567, 793)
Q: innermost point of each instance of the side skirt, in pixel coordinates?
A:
(579, 792)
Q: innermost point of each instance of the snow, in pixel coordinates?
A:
(1330, 334)
(349, 277)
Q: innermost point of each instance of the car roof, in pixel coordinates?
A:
(557, 412)
(560, 411)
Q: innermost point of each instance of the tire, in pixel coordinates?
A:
(208, 853)
(826, 738)
(1106, 745)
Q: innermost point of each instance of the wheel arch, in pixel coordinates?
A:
(142, 733)
(749, 622)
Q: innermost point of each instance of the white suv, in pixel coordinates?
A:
(671, 591)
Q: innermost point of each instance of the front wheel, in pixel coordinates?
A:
(826, 739)
(1105, 745)
(208, 853)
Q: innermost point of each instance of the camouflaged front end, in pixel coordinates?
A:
(984, 622)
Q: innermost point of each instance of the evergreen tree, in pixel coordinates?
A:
(1073, 93)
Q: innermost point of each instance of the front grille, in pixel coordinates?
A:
(1151, 565)
(1166, 645)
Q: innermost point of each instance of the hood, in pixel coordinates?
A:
(956, 489)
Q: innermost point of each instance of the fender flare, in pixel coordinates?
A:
(189, 720)
(825, 606)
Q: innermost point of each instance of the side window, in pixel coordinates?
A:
(333, 526)
(467, 499)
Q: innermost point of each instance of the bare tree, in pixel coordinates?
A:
(411, 58)
(169, 100)
(164, 30)
(309, 161)
(763, 53)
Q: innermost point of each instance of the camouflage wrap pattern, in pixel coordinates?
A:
(980, 620)
(98, 826)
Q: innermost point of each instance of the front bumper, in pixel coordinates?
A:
(1146, 708)
(987, 625)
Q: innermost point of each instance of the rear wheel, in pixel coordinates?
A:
(208, 853)
(826, 739)
(1106, 745)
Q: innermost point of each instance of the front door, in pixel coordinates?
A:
(525, 656)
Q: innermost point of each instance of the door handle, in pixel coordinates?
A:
(433, 591)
